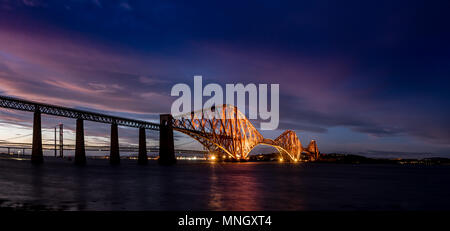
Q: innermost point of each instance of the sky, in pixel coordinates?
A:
(363, 77)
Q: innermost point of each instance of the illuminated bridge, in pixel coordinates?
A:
(226, 131)
(221, 130)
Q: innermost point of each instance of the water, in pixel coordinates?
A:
(194, 185)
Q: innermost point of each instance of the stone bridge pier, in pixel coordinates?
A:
(167, 153)
(166, 146)
(37, 156)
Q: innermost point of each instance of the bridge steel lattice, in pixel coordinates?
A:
(30, 106)
(80, 116)
(226, 131)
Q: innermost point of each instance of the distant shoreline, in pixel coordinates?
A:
(324, 158)
(357, 159)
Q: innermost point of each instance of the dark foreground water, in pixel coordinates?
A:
(60, 185)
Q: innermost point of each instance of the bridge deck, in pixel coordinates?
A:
(24, 105)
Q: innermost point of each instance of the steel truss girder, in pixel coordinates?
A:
(30, 106)
(226, 130)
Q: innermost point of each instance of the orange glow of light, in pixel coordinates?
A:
(213, 157)
(230, 132)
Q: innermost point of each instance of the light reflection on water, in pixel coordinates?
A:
(194, 185)
(233, 191)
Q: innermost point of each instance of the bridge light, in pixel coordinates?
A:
(281, 159)
(224, 156)
(213, 157)
(295, 160)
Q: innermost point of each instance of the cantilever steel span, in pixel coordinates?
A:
(225, 130)
(228, 133)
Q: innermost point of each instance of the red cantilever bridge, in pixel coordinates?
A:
(225, 130)
(221, 130)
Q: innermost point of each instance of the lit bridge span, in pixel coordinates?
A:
(221, 130)
(226, 131)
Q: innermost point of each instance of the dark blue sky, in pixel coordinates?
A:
(358, 76)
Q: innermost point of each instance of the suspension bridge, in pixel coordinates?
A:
(223, 131)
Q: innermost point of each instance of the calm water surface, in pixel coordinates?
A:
(60, 185)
